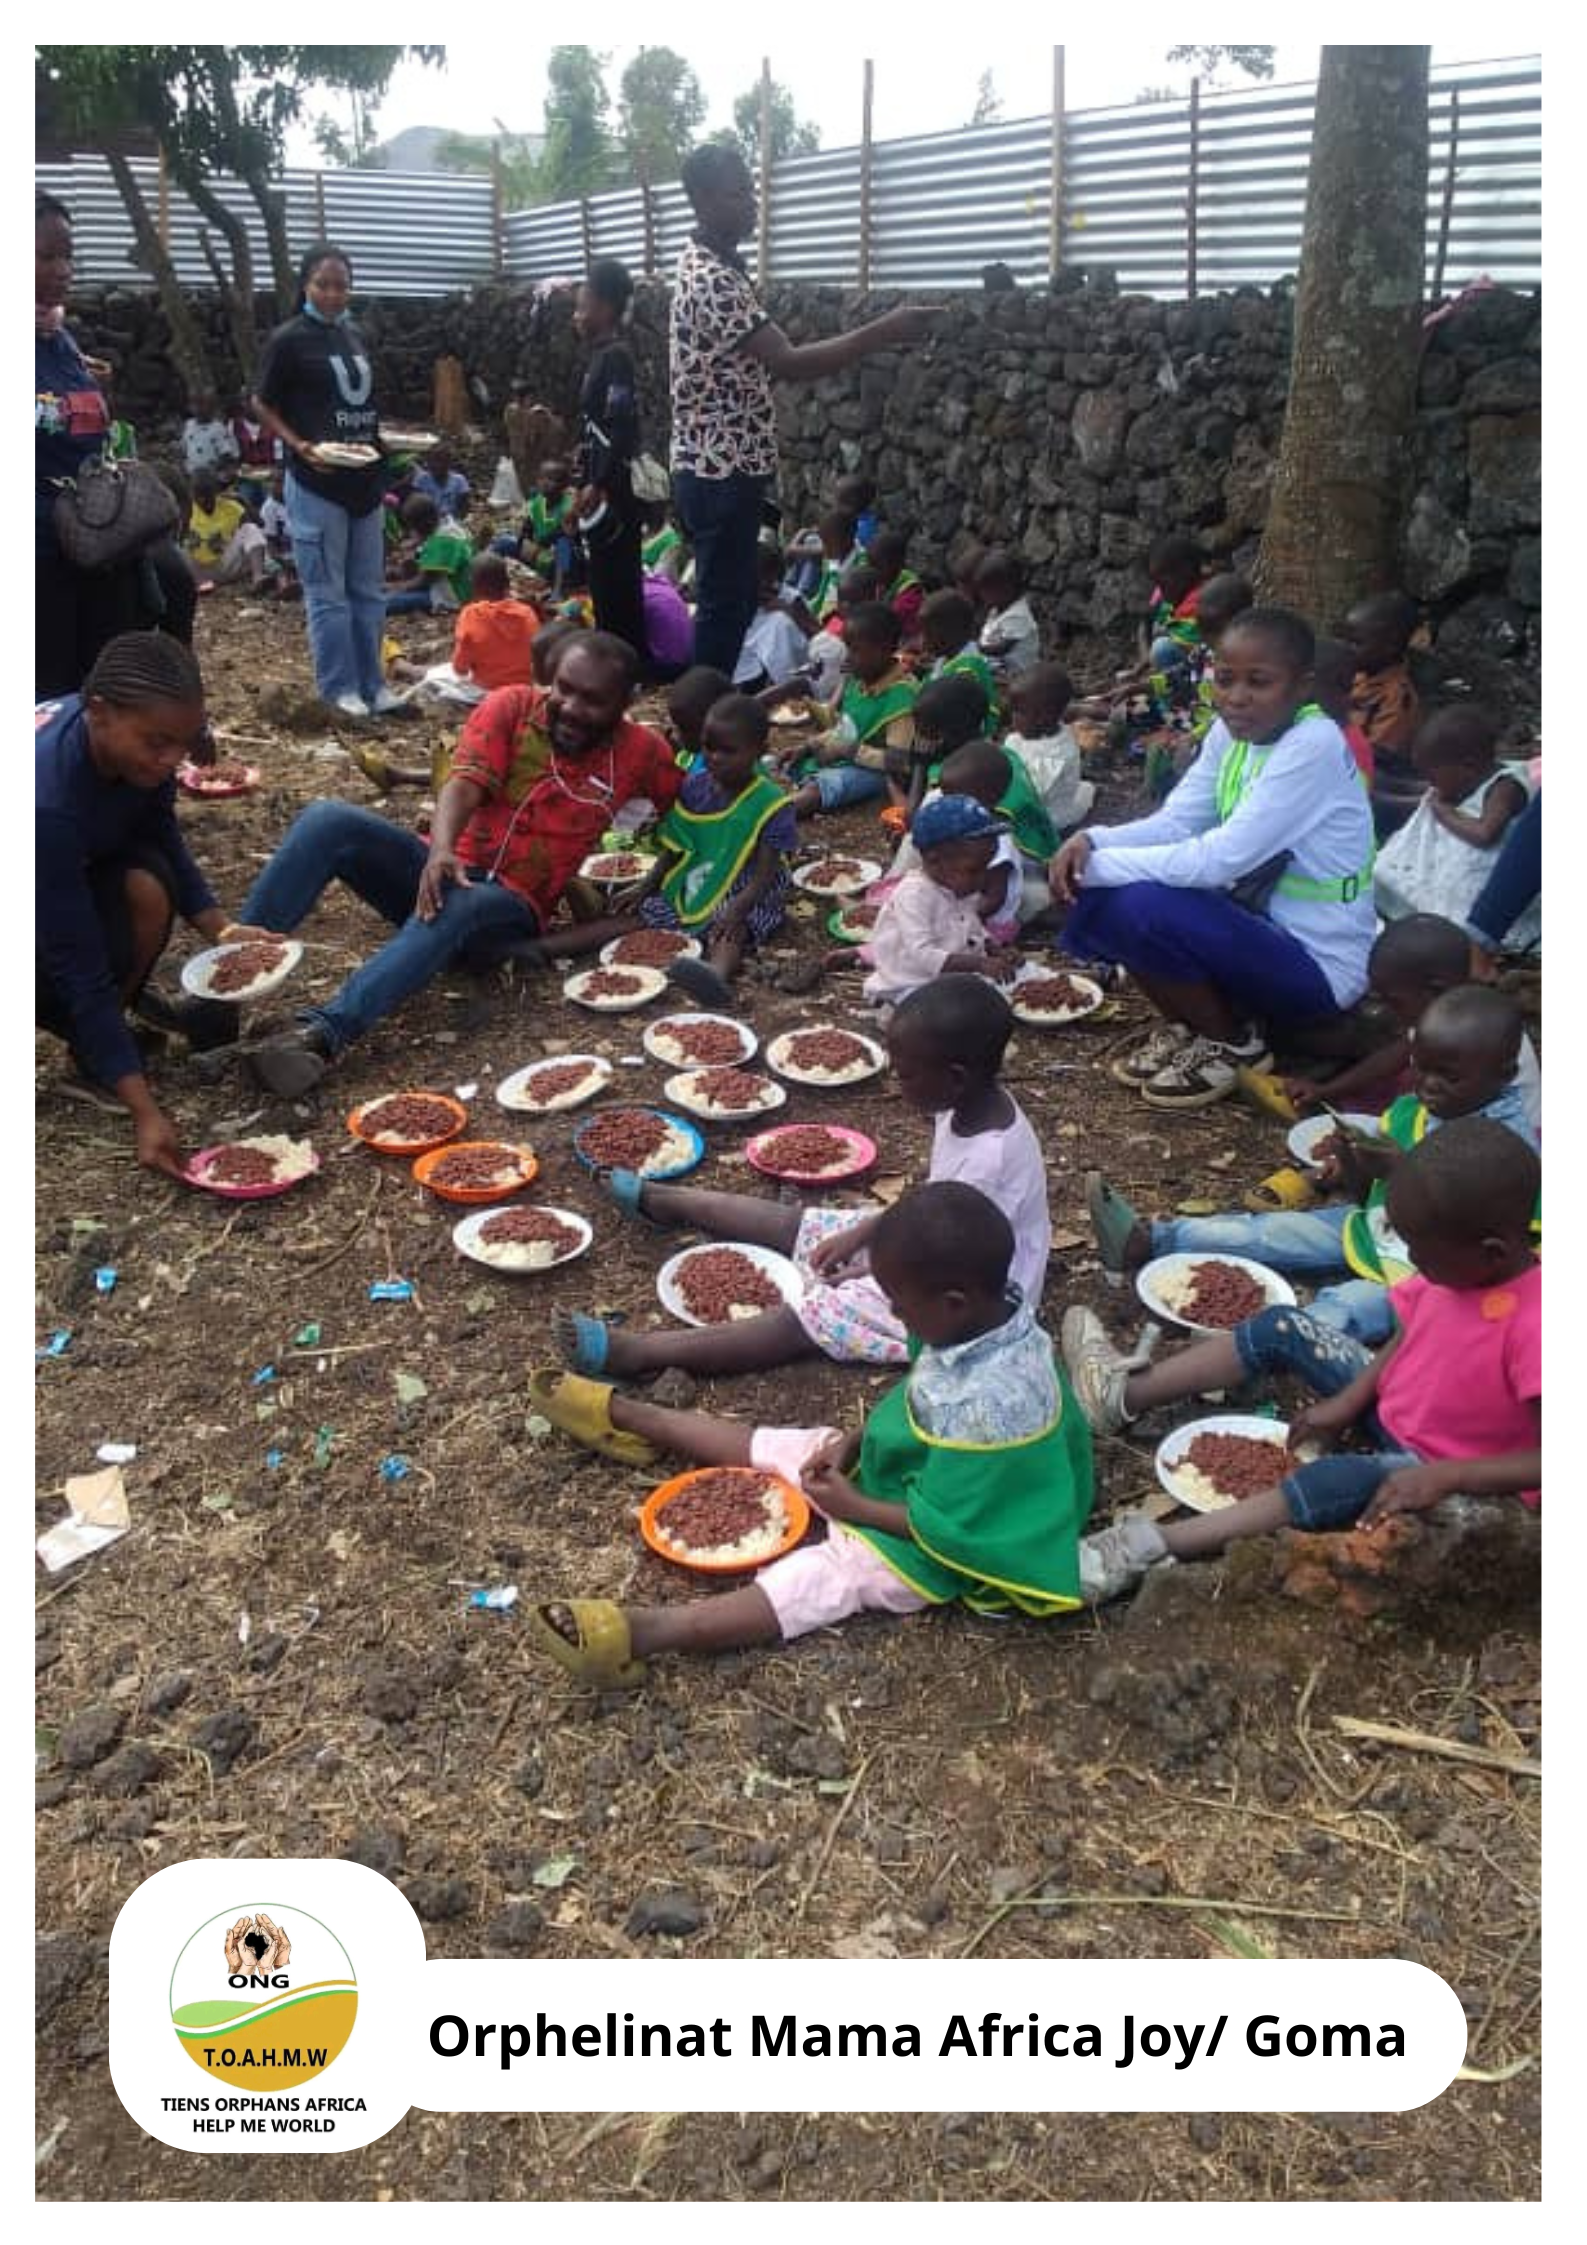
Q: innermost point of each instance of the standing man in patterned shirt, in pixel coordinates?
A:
(726, 354)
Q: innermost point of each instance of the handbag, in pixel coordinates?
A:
(652, 485)
(113, 512)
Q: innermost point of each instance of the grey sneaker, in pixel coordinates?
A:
(1115, 1558)
(1137, 1066)
(351, 705)
(1097, 1370)
(1203, 1072)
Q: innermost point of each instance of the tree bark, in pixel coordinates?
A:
(236, 290)
(188, 353)
(272, 204)
(1339, 487)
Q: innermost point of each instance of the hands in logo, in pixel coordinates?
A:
(257, 1945)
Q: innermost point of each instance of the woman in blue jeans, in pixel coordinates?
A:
(316, 389)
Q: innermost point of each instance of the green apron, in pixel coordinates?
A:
(716, 846)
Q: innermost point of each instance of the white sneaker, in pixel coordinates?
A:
(351, 705)
(1115, 1558)
(1144, 1060)
(1203, 1072)
(385, 702)
(1097, 1370)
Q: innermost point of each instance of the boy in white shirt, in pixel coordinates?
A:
(1010, 637)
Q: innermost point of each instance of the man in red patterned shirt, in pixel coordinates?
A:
(538, 775)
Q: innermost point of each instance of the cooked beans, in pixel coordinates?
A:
(406, 1118)
(1239, 1465)
(649, 947)
(720, 1508)
(731, 1088)
(605, 982)
(246, 964)
(806, 1149)
(530, 1227)
(241, 1165)
(708, 1044)
(824, 1048)
(477, 1168)
(624, 1139)
(1222, 1295)
(719, 1280)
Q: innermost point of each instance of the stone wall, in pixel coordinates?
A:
(1075, 424)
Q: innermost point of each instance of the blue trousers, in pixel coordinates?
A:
(721, 516)
(380, 863)
(341, 564)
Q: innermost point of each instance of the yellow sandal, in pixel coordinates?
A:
(1286, 1188)
(583, 1409)
(602, 1651)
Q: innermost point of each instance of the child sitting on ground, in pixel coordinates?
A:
(491, 647)
(846, 763)
(1451, 1405)
(948, 642)
(971, 1481)
(1173, 629)
(902, 590)
(774, 645)
(728, 839)
(1384, 701)
(1413, 961)
(1333, 685)
(939, 919)
(689, 700)
(662, 554)
(1010, 639)
(224, 547)
(545, 541)
(946, 1046)
(948, 712)
(1047, 749)
(1464, 1055)
(443, 564)
(437, 479)
(824, 656)
(207, 441)
(817, 560)
(994, 778)
(855, 496)
(1440, 857)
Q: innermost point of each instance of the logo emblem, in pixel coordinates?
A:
(261, 2000)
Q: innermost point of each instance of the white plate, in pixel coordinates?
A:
(777, 1268)
(609, 951)
(866, 871)
(197, 971)
(514, 1091)
(650, 1037)
(1312, 1129)
(465, 1238)
(1093, 997)
(336, 455)
(776, 1054)
(653, 983)
(678, 1092)
(1173, 1446)
(408, 440)
(1148, 1282)
(597, 868)
(791, 713)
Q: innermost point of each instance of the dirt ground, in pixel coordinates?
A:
(279, 1659)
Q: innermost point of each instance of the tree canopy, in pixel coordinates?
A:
(660, 112)
(789, 136)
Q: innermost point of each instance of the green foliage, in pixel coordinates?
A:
(661, 109)
(789, 137)
(1208, 62)
(521, 161)
(988, 101)
(578, 150)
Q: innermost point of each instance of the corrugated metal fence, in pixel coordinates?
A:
(1173, 196)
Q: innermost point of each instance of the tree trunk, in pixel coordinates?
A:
(272, 204)
(187, 351)
(1339, 487)
(236, 289)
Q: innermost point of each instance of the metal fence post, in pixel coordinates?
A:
(648, 213)
(319, 205)
(865, 178)
(763, 238)
(1055, 223)
(1191, 190)
(498, 213)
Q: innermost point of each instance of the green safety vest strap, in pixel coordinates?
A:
(1238, 774)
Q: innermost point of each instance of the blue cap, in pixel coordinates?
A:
(952, 818)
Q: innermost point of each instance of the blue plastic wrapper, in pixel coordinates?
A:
(395, 1468)
(105, 1278)
(56, 1345)
(501, 1600)
(392, 1290)
(262, 1378)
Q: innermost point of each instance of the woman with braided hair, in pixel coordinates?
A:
(112, 871)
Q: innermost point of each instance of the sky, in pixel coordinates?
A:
(921, 85)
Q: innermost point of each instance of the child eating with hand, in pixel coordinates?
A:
(970, 1483)
(945, 1045)
(937, 921)
(1451, 1405)
(847, 762)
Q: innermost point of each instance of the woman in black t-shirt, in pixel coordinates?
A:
(609, 518)
(316, 392)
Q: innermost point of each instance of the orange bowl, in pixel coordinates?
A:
(425, 1167)
(408, 1146)
(794, 1500)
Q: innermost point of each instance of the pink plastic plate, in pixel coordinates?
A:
(199, 1164)
(758, 1153)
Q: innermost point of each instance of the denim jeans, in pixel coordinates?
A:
(1329, 1492)
(721, 515)
(1307, 1242)
(380, 863)
(341, 564)
(1515, 882)
(417, 602)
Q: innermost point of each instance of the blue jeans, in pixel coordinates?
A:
(1330, 1492)
(380, 863)
(420, 601)
(341, 564)
(1307, 1242)
(721, 516)
(839, 785)
(1515, 882)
